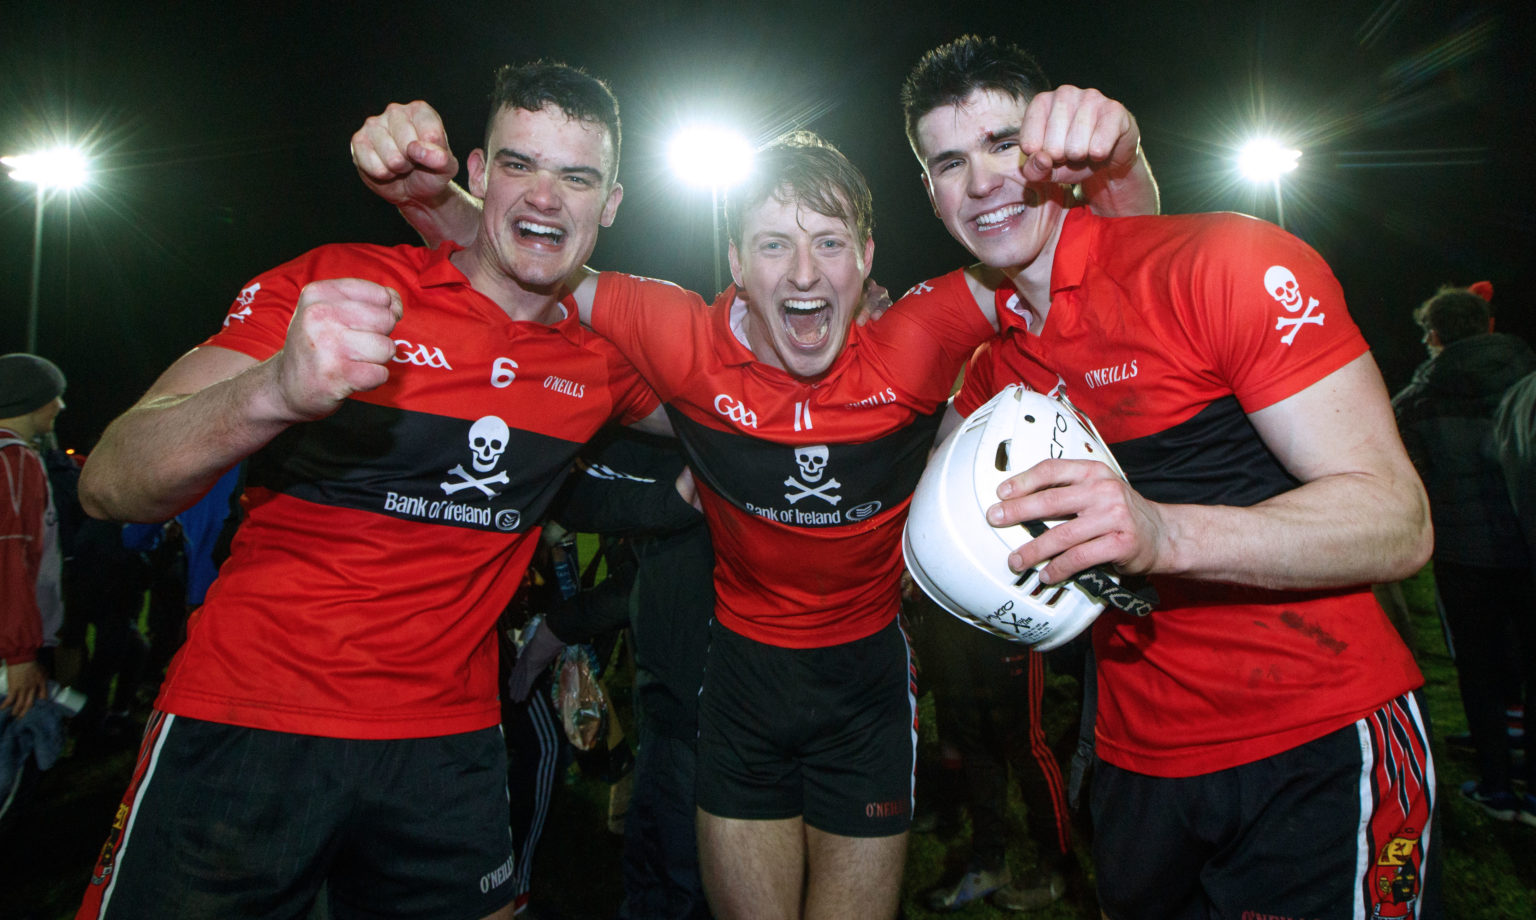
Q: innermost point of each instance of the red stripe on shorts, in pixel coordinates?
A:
(1397, 797)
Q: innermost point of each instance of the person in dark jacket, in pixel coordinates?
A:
(635, 486)
(1482, 565)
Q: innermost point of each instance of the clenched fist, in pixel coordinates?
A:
(338, 344)
(1070, 133)
(403, 155)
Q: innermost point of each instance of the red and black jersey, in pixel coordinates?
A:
(1167, 332)
(381, 542)
(805, 483)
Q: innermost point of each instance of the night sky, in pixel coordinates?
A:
(220, 135)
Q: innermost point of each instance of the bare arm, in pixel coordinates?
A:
(403, 156)
(1073, 135)
(215, 407)
(1360, 515)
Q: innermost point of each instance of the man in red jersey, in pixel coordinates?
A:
(1261, 751)
(807, 434)
(406, 415)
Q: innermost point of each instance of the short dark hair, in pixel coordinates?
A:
(575, 92)
(1453, 314)
(948, 75)
(802, 167)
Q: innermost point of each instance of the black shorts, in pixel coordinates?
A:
(223, 821)
(824, 733)
(1338, 828)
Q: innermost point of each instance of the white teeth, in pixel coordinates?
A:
(528, 226)
(998, 216)
(804, 306)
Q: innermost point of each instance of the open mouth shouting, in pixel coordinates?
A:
(808, 322)
(537, 233)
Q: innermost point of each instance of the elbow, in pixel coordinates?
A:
(1416, 537)
(1416, 552)
(94, 496)
(103, 498)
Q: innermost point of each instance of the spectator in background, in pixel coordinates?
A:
(1483, 576)
(1514, 430)
(111, 576)
(31, 605)
(636, 486)
(988, 698)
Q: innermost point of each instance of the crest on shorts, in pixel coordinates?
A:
(1396, 877)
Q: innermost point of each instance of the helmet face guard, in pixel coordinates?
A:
(961, 561)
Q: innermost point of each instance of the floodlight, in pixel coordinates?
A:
(713, 158)
(1266, 159)
(62, 168)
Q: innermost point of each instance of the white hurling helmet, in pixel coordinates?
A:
(961, 561)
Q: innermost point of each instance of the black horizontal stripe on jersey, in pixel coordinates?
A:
(1215, 457)
(771, 480)
(415, 466)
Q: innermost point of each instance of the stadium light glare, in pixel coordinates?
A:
(716, 159)
(62, 168)
(1265, 159)
(709, 157)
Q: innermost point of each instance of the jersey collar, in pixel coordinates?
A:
(1078, 231)
(438, 270)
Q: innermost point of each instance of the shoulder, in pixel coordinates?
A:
(617, 291)
(354, 260)
(1217, 257)
(642, 285)
(947, 287)
(962, 298)
(1196, 239)
(19, 459)
(366, 255)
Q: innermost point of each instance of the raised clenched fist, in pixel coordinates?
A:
(338, 344)
(403, 154)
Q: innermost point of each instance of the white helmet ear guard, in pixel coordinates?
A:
(961, 561)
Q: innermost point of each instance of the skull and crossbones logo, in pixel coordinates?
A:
(246, 298)
(813, 465)
(1283, 287)
(488, 438)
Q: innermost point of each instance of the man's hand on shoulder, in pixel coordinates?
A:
(876, 301)
(338, 344)
(403, 155)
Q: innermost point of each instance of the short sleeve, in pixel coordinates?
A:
(257, 322)
(926, 337)
(657, 325)
(1265, 307)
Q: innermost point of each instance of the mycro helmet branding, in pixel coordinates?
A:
(961, 561)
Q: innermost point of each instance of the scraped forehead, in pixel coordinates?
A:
(984, 116)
